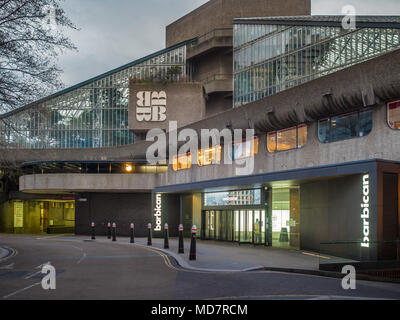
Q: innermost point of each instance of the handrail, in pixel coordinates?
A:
(212, 34)
(214, 77)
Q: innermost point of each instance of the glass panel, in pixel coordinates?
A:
(250, 229)
(243, 226)
(209, 156)
(218, 225)
(394, 115)
(271, 142)
(302, 136)
(365, 122)
(280, 215)
(182, 162)
(324, 130)
(287, 139)
(304, 53)
(344, 127)
(236, 226)
(91, 116)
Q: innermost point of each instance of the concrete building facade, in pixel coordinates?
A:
(317, 169)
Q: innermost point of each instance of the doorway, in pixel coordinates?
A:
(286, 218)
(243, 226)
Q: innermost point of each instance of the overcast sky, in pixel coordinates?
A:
(115, 32)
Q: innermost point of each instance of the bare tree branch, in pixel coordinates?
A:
(28, 50)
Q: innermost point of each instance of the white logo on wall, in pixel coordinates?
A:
(365, 211)
(158, 212)
(151, 106)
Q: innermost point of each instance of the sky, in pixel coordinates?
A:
(115, 32)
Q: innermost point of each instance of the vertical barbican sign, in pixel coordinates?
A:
(158, 213)
(365, 211)
(151, 106)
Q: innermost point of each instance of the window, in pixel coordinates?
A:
(347, 126)
(287, 139)
(245, 149)
(209, 156)
(394, 115)
(182, 162)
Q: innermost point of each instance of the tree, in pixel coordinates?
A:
(31, 38)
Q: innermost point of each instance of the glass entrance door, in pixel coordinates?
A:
(243, 226)
(209, 225)
(246, 226)
(259, 227)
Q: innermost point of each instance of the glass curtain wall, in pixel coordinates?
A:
(271, 58)
(94, 115)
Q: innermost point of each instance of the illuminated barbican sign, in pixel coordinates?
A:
(158, 212)
(365, 211)
(151, 106)
(233, 198)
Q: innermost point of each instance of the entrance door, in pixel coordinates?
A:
(246, 226)
(236, 228)
(209, 225)
(259, 227)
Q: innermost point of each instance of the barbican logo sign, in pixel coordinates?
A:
(151, 106)
(158, 213)
(365, 211)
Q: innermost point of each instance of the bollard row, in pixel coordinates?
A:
(112, 233)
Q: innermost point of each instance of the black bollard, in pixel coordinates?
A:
(132, 233)
(192, 255)
(181, 247)
(166, 242)
(93, 232)
(109, 230)
(149, 243)
(114, 232)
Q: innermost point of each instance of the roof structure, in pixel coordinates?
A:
(326, 20)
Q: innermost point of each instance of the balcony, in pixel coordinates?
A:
(218, 83)
(217, 38)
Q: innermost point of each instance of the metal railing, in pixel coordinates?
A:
(216, 77)
(216, 33)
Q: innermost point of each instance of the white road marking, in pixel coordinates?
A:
(21, 290)
(83, 257)
(37, 272)
(8, 267)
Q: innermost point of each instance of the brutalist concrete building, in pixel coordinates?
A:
(323, 102)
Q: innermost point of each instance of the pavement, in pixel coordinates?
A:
(216, 256)
(219, 256)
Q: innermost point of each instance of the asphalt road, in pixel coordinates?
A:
(92, 270)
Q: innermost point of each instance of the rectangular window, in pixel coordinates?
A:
(394, 115)
(245, 149)
(347, 126)
(209, 156)
(287, 139)
(344, 127)
(182, 162)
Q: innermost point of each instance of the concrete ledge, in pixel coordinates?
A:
(61, 183)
